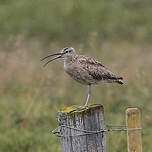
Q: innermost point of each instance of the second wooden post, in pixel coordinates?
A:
(134, 133)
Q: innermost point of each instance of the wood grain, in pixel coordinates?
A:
(134, 137)
(91, 119)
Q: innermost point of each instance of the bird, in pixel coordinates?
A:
(85, 70)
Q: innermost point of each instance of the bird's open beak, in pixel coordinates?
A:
(59, 55)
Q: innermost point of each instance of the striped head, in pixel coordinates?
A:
(68, 52)
(65, 53)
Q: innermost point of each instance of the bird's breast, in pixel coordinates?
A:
(78, 73)
(71, 69)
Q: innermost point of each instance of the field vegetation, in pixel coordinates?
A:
(116, 32)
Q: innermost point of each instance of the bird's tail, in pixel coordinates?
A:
(120, 80)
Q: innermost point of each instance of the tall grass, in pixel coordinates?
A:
(31, 95)
(116, 32)
(74, 20)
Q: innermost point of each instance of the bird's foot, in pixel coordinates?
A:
(82, 108)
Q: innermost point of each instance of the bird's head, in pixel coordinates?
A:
(68, 52)
(65, 53)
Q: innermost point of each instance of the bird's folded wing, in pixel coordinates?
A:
(96, 69)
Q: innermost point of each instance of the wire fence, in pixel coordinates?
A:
(76, 132)
(83, 132)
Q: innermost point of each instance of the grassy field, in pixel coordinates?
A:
(74, 20)
(31, 95)
(117, 33)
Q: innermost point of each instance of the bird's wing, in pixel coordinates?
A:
(96, 69)
(88, 60)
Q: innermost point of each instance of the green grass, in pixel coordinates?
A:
(71, 20)
(116, 32)
(31, 95)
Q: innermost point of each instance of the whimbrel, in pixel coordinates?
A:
(84, 70)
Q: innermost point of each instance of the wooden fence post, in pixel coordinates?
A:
(76, 127)
(134, 137)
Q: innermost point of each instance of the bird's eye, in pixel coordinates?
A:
(65, 48)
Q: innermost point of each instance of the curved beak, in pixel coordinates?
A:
(59, 55)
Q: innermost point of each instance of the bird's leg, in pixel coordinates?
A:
(88, 98)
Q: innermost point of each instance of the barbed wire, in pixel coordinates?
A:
(115, 125)
(57, 131)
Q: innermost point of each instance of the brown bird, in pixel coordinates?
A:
(84, 70)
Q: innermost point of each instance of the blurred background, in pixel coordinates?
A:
(116, 32)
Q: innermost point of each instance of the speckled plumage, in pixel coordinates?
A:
(85, 70)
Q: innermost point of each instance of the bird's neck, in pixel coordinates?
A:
(68, 61)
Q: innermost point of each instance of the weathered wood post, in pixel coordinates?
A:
(134, 134)
(79, 129)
